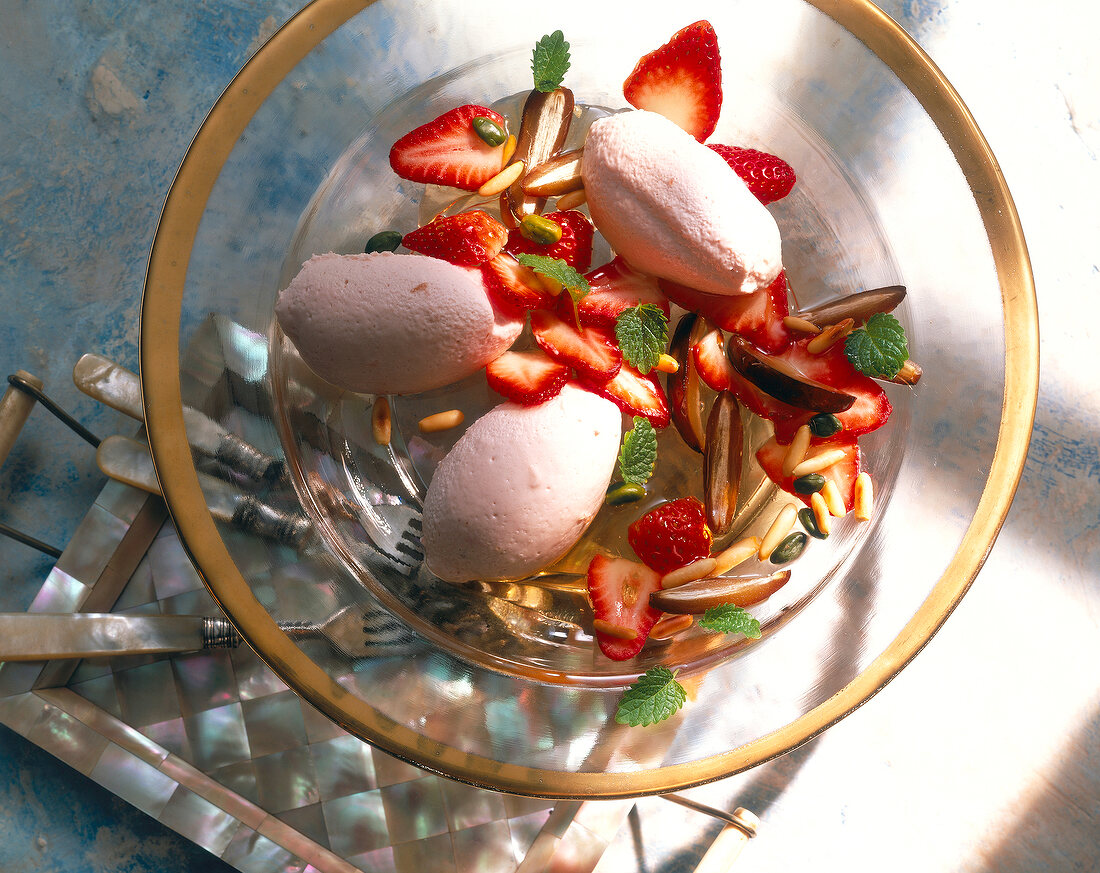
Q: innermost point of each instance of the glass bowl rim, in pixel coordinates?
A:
(161, 307)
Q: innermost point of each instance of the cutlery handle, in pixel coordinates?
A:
(28, 636)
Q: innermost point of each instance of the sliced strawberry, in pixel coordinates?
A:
(682, 80)
(757, 317)
(843, 473)
(636, 394)
(528, 378)
(768, 177)
(574, 247)
(448, 151)
(467, 239)
(714, 368)
(619, 590)
(591, 351)
(515, 285)
(615, 288)
(671, 535)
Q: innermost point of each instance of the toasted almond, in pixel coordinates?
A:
(831, 494)
(739, 552)
(865, 497)
(821, 461)
(822, 515)
(380, 421)
(614, 630)
(572, 200)
(830, 336)
(667, 364)
(796, 452)
(793, 322)
(784, 522)
(688, 573)
(669, 625)
(441, 421)
(509, 150)
(502, 180)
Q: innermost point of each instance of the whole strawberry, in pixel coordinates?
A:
(671, 535)
(768, 177)
(574, 247)
(466, 240)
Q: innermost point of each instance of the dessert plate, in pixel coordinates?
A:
(498, 683)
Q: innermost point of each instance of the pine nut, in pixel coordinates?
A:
(509, 150)
(614, 630)
(793, 322)
(668, 364)
(670, 625)
(441, 421)
(739, 552)
(821, 513)
(380, 421)
(829, 336)
(821, 461)
(865, 497)
(909, 374)
(833, 500)
(796, 452)
(688, 573)
(572, 200)
(502, 180)
(782, 525)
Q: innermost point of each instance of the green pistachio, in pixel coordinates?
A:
(383, 241)
(790, 548)
(489, 131)
(619, 493)
(540, 230)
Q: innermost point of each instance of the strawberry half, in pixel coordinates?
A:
(712, 365)
(515, 285)
(682, 80)
(769, 178)
(619, 590)
(448, 151)
(843, 473)
(574, 247)
(591, 351)
(757, 317)
(466, 240)
(869, 412)
(615, 288)
(528, 378)
(671, 535)
(636, 394)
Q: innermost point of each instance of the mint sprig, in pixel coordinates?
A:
(550, 61)
(642, 332)
(559, 271)
(730, 619)
(653, 698)
(638, 454)
(878, 349)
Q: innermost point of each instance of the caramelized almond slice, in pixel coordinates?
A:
(697, 597)
(858, 307)
(722, 463)
(542, 132)
(782, 381)
(685, 403)
(559, 175)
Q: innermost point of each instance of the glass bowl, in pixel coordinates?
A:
(307, 532)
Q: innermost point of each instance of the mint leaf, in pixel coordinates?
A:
(653, 698)
(550, 61)
(730, 619)
(559, 271)
(642, 332)
(638, 455)
(879, 348)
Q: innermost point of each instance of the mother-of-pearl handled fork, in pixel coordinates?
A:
(353, 632)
